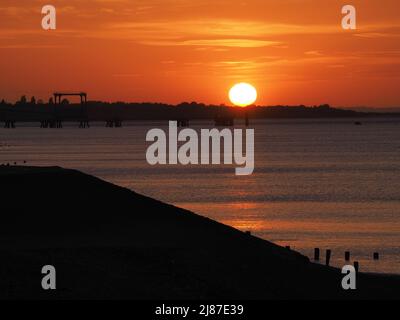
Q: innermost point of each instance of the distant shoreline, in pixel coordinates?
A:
(101, 111)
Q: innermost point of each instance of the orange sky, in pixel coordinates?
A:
(294, 52)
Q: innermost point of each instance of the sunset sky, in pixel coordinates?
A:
(293, 52)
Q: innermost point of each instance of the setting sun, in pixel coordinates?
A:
(243, 94)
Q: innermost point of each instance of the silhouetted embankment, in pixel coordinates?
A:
(108, 242)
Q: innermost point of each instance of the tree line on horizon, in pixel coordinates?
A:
(33, 110)
(23, 101)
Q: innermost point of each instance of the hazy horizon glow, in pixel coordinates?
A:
(293, 52)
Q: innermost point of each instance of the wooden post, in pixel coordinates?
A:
(316, 254)
(347, 256)
(328, 256)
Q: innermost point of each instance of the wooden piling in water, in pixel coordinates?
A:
(316, 254)
(9, 124)
(328, 257)
(116, 123)
(84, 124)
(347, 256)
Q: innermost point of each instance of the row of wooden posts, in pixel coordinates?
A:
(328, 255)
(116, 123)
(329, 252)
(57, 124)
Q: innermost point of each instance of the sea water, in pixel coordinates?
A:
(316, 183)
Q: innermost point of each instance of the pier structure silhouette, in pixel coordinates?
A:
(84, 119)
(58, 96)
(59, 111)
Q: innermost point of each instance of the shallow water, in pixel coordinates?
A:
(317, 183)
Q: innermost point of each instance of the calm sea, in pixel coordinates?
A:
(317, 183)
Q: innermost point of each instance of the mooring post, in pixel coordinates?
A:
(316, 254)
(356, 266)
(9, 124)
(328, 256)
(347, 256)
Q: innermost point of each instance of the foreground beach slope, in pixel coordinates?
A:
(107, 242)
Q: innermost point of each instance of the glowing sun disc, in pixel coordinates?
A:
(243, 94)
